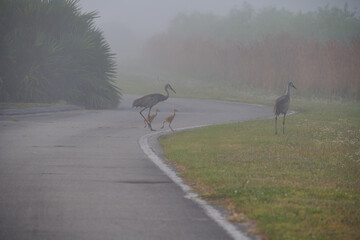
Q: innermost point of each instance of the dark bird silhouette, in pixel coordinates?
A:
(152, 116)
(169, 119)
(282, 106)
(148, 101)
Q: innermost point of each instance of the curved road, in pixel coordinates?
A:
(82, 174)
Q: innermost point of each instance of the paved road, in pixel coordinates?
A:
(82, 175)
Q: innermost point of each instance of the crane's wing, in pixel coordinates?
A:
(281, 104)
(146, 101)
(281, 99)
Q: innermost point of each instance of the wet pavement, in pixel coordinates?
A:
(82, 174)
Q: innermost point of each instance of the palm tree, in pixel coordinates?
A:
(51, 51)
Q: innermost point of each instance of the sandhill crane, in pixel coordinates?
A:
(148, 101)
(282, 106)
(169, 119)
(152, 116)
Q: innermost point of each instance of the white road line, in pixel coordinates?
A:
(213, 213)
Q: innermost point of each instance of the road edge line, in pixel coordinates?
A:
(210, 211)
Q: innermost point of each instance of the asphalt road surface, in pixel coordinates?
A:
(82, 174)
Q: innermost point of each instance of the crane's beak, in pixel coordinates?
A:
(294, 86)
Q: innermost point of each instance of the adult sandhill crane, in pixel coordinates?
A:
(152, 116)
(150, 100)
(282, 106)
(169, 119)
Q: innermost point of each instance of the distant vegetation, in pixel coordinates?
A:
(319, 50)
(50, 51)
(245, 24)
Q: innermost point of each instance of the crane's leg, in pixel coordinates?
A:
(142, 114)
(149, 123)
(145, 118)
(163, 125)
(276, 124)
(284, 124)
(149, 114)
(171, 127)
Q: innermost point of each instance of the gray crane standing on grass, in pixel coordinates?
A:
(150, 100)
(282, 106)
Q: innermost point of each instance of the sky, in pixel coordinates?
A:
(147, 17)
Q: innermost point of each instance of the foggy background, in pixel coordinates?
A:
(128, 23)
(217, 49)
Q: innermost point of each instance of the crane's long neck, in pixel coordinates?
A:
(288, 90)
(167, 93)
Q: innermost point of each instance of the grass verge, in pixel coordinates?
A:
(301, 185)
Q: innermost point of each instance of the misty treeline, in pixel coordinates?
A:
(319, 51)
(50, 51)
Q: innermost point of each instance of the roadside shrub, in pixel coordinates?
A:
(50, 51)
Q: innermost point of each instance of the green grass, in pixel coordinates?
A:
(301, 185)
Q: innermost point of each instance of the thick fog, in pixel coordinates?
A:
(144, 17)
(127, 23)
